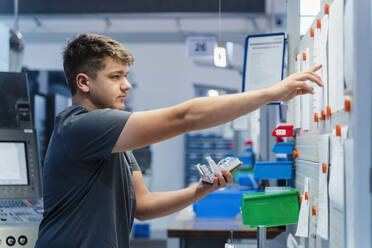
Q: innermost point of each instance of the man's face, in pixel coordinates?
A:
(109, 88)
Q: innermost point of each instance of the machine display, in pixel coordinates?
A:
(19, 164)
(13, 164)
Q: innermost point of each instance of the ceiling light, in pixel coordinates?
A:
(213, 93)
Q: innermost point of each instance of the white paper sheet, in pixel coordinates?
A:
(297, 99)
(324, 60)
(349, 184)
(322, 210)
(303, 219)
(335, 55)
(305, 99)
(318, 93)
(336, 178)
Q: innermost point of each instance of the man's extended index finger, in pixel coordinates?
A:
(315, 68)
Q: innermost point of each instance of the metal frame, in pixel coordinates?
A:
(362, 120)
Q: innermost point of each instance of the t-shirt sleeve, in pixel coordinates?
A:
(93, 135)
(132, 161)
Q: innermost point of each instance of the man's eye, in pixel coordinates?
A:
(116, 77)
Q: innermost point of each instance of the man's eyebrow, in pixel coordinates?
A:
(118, 71)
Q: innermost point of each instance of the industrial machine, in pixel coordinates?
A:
(21, 205)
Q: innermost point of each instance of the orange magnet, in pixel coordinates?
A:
(300, 200)
(296, 153)
(306, 196)
(329, 111)
(304, 56)
(338, 130)
(312, 32)
(313, 210)
(296, 57)
(324, 168)
(326, 9)
(347, 105)
(323, 115)
(318, 24)
(316, 117)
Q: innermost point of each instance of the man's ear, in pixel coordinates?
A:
(82, 82)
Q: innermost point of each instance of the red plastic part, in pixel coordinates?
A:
(283, 131)
(248, 143)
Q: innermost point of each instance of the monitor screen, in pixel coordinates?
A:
(13, 163)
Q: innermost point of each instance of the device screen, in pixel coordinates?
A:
(13, 163)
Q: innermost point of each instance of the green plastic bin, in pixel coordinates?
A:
(271, 209)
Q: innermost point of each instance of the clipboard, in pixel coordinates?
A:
(263, 60)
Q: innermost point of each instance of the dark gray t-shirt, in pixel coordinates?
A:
(89, 198)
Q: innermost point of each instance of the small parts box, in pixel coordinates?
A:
(270, 210)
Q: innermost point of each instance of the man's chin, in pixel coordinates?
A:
(120, 106)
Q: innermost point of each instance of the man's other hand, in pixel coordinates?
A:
(219, 181)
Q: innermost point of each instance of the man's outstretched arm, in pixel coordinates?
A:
(148, 127)
(157, 204)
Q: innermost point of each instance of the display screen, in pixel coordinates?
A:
(13, 163)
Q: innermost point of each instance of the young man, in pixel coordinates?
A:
(93, 187)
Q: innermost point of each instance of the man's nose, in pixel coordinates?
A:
(126, 85)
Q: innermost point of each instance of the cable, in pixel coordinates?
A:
(219, 21)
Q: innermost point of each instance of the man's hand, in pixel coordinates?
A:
(295, 84)
(219, 181)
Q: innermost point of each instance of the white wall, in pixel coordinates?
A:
(164, 76)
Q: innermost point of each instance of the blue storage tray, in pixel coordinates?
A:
(244, 179)
(273, 170)
(221, 204)
(141, 230)
(246, 160)
(283, 147)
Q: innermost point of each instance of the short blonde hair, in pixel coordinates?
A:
(86, 53)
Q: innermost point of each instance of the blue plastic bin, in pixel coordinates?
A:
(283, 147)
(221, 204)
(244, 179)
(141, 230)
(273, 170)
(246, 160)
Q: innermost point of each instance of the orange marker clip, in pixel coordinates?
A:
(27, 202)
(316, 117)
(323, 115)
(326, 9)
(312, 32)
(318, 24)
(306, 196)
(304, 56)
(296, 153)
(347, 105)
(313, 210)
(338, 130)
(300, 200)
(324, 168)
(329, 111)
